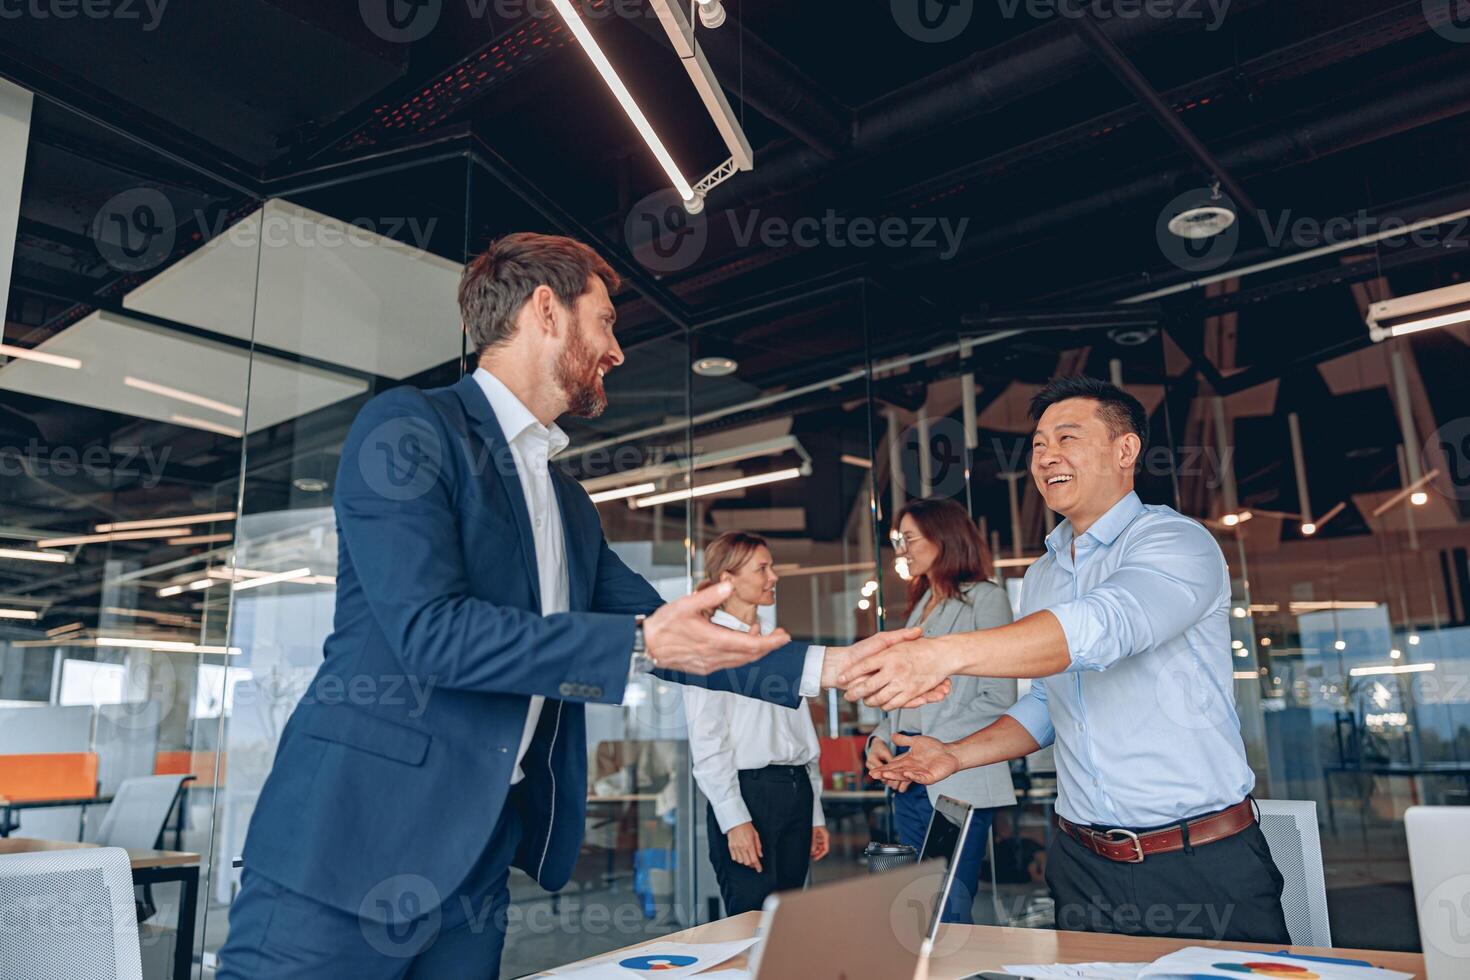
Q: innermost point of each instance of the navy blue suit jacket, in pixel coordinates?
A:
(437, 584)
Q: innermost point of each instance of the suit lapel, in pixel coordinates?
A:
(483, 421)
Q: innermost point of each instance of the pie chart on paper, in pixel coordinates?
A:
(657, 963)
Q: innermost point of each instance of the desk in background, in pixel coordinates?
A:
(149, 868)
(991, 947)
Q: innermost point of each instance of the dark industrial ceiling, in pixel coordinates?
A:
(1020, 127)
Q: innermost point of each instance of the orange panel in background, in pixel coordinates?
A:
(843, 754)
(48, 776)
(199, 764)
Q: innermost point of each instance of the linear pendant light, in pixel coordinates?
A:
(224, 515)
(604, 67)
(724, 486)
(24, 554)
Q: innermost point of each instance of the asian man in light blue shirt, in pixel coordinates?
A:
(1125, 631)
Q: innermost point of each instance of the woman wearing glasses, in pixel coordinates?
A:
(757, 763)
(948, 566)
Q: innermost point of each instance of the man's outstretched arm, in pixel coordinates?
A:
(929, 760)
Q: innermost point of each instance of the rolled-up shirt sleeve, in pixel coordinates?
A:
(1174, 574)
(1034, 714)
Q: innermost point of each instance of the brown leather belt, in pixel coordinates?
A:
(1130, 848)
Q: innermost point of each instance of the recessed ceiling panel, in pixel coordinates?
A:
(327, 289)
(137, 369)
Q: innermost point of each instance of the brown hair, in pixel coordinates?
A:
(963, 554)
(497, 283)
(727, 553)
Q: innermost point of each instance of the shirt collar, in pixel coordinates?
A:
(514, 417)
(722, 618)
(1105, 529)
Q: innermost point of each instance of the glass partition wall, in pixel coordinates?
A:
(171, 491)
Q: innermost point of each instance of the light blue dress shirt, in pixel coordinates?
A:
(1144, 720)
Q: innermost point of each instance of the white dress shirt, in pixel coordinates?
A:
(728, 733)
(533, 445)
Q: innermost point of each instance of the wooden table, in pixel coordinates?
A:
(991, 947)
(149, 868)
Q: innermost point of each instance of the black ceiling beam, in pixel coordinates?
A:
(523, 187)
(758, 75)
(1126, 72)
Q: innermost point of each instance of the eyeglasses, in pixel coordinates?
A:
(902, 544)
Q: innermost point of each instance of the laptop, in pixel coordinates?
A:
(949, 828)
(1439, 860)
(874, 927)
(878, 927)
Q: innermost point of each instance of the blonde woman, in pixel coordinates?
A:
(757, 763)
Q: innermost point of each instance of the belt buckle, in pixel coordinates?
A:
(1129, 836)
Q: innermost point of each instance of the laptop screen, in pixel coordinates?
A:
(946, 835)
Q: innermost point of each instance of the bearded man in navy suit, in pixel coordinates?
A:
(383, 839)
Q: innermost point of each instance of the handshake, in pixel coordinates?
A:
(887, 670)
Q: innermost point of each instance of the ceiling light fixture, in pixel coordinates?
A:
(224, 515)
(1205, 218)
(723, 486)
(68, 628)
(154, 388)
(26, 354)
(1421, 311)
(716, 367)
(622, 492)
(163, 532)
(1391, 669)
(711, 13)
(206, 425)
(310, 484)
(254, 583)
(19, 614)
(625, 98)
(202, 539)
(171, 646)
(26, 554)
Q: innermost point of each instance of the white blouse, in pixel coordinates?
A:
(728, 733)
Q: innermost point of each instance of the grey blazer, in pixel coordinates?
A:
(974, 703)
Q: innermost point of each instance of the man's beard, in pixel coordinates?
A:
(576, 373)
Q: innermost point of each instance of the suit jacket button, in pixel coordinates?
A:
(594, 692)
(566, 690)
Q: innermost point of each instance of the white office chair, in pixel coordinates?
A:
(68, 914)
(139, 810)
(1291, 831)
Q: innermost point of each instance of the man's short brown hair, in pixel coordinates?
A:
(497, 283)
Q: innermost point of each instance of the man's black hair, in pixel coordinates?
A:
(1120, 411)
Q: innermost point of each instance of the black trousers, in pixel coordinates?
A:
(779, 799)
(1229, 889)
